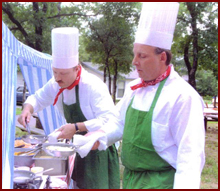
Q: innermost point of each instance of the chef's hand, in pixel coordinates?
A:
(97, 143)
(25, 114)
(66, 131)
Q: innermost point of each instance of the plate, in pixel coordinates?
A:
(59, 149)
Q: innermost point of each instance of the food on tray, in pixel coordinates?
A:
(59, 148)
(19, 153)
(45, 157)
(18, 143)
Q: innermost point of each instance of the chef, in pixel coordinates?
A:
(161, 115)
(84, 100)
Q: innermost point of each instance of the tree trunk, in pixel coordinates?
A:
(192, 78)
(192, 72)
(106, 69)
(104, 77)
(39, 25)
(115, 82)
(109, 81)
(214, 104)
(110, 84)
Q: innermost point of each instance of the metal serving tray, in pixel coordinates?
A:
(59, 149)
(26, 160)
(59, 164)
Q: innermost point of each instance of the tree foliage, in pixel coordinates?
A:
(107, 32)
(110, 39)
(207, 84)
(32, 22)
(196, 38)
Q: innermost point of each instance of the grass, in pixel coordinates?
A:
(18, 111)
(19, 132)
(207, 101)
(210, 170)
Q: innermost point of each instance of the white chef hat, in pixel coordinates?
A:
(157, 23)
(65, 42)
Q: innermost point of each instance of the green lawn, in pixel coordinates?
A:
(18, 111)
(210, 170)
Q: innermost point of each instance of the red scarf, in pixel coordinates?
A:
(153, 82)
(76, 82)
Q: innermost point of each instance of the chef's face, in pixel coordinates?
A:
(65, 77)
(149, 65)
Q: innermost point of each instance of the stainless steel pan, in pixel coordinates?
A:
(23, 177)
(34, 139)
(59, 149)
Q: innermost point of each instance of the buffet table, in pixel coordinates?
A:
(58, 168)
(210, 114)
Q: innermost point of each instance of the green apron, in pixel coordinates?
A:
(144, 168)
(99, 169)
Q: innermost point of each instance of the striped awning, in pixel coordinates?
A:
(36, 70)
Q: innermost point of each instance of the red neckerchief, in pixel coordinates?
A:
(76, 82)
(153, 82)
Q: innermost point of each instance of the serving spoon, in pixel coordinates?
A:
(28, 129)
(44, 171)
(38, 147)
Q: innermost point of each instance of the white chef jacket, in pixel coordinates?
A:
(178, 133)
(95, 101)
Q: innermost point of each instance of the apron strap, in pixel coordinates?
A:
(77, 94)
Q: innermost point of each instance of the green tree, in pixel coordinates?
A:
(109, 42)
(207, 84)
(32, 22)
(196, 38)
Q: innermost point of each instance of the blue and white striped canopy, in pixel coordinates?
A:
(36, 70)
